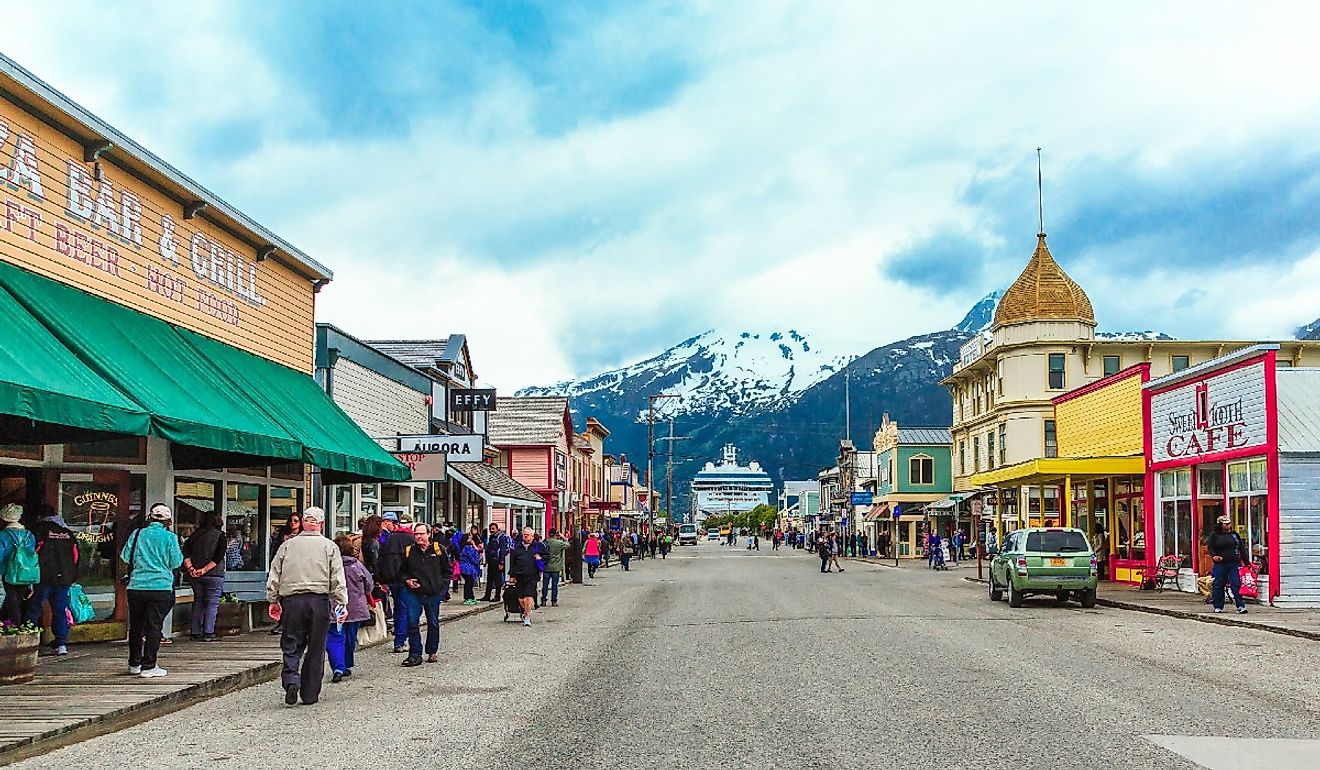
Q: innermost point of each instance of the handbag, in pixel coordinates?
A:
(1250, 582)
(373, 631)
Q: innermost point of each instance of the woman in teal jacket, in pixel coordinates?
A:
(152, 554)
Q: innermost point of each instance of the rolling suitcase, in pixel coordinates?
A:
(511, 605)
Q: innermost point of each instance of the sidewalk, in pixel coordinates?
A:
(1304, 623)
(87, 692)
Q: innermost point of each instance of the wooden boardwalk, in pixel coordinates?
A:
(89, 692)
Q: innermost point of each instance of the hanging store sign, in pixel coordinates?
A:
(1221, 413)
(424, 466)
(455, 449)
(472, 400)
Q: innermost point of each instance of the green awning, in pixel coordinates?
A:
(191, 403)
(47, 394)
(331, 440)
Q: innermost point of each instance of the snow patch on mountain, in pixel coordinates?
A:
(716, 371)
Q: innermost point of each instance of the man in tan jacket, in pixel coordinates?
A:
(306, 578)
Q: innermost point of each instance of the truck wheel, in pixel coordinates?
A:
(1088, 599)
(996, 593)
(1015, 596)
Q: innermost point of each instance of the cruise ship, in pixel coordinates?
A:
(729, 487)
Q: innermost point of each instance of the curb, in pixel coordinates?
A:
(1197, 616)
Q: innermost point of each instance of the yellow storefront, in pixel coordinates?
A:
(159, 347)
(1096, 483)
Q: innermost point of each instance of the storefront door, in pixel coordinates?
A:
(96, 505)
(1206, 513)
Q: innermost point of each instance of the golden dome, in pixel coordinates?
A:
(1043, 292)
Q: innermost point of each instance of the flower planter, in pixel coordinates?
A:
(18, 658)
(229, 618)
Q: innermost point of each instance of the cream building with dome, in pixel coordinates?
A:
(1043, 344)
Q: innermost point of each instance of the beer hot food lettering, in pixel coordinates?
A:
(104, 218)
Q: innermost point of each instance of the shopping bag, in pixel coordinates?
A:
(80, 607)
(376, 632)
(1250, 582)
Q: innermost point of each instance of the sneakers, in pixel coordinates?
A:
(470, 603)
(62, 649)
(554, 604)
(135, 670)
(291, 695)
(527, 622)
(1219, 610)
(398, 650)
(337, 678)
(1242, 610)
(410, 662)
(153, 673)
(210, 638)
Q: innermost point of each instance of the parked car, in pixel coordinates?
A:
(687, 534)
(1044, 560)
(712, 534)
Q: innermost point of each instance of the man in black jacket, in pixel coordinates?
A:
(498, 545)
(57, 555)
(389, 566)
(525, 565)
(426, 573)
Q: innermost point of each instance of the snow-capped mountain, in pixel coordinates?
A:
(1310, 331)
(716, 372)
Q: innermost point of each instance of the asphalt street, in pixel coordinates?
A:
(724, 658)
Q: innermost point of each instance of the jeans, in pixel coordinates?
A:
(430, 604)
(1226, 573)
(400, 595)
(469, 588)
(340, 646)
(146, 616)
(592, 563)
(58, 598)
(824, 564)
(206, 603)
(550, 584)
(624, 559)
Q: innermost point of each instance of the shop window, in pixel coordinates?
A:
(23, 451)
(244, 509)
(342, 497)
(1003, 443)
(193, 499)
(999, 373)
(1175, 514)
(962, 458)
(921, 470)
(391, 494)
(1051, 439)
(284, 502)
(990, 448)
(132, 451)
(1248, 490)
(976, 453)
(94, 511)
(254, 471)
(1112, 365)
(291, 471)
(1179, 363)
(1057, 375)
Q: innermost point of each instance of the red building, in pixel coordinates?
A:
(534, 437)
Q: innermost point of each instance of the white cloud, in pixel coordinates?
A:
(807, 144)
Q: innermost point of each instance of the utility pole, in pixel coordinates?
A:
(847, 405)
(669, 469)
(650, 454)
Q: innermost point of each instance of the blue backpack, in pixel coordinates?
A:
(23, 568)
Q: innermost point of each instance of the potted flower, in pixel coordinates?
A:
(18, 652)
(229, 616)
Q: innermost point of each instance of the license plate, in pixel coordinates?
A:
(1058, 562)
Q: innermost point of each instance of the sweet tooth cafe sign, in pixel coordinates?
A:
(1222, 413)
(101, 228)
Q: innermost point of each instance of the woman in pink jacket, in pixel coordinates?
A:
(591, 554)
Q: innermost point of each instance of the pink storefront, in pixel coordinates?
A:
(1237, 435)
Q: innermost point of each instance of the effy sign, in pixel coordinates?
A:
(1220, 413)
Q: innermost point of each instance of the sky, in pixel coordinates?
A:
(579, 185)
